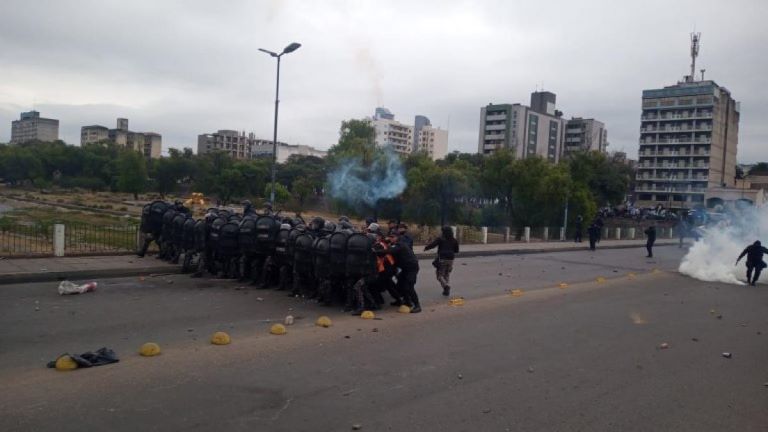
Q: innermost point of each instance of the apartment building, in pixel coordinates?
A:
(32, 127)
(405, 139)
(523, 130)
(584, 134)
(150, 144)
(688, 142)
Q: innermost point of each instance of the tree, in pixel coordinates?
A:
(760, 169)
(131, 173)
(302, 187)
(282, 194)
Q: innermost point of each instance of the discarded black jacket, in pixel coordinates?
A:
(102, 356)
(447, 248)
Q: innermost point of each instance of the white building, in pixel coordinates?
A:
(406, 139)
(244, 147)
(264, 149)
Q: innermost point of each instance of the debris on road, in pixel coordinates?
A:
(727, 355)
(220, 338)
(486, 411)
(357, 426)
(278, 330)
(404, 309)
(719, 317)
(375, 330)
(695, 339)
(516, 292)
(600, 279)
(530, 369)
(456, 301)
(100, 357)
(323, 321)
(149, 349)
(663, 345)
(563, 285)
(67, 287)
(289, 320)
(460, 376)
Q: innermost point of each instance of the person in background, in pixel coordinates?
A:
(650, 232)
(754, 253)
(391, 227)
(447, 248)
(682, 229)
(579, 226)
(594, 235)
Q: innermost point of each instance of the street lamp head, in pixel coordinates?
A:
(291, 48)
(268, 52)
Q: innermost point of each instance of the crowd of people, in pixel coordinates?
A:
(330, 261)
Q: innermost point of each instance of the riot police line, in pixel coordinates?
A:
(331, 262)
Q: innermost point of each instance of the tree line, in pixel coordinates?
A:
(462, 188)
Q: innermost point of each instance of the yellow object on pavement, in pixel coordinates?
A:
(367, 315)
(323, 321)
(278, 329)
(149, 349)
(404, 309)
(220, 338)
(65, 363)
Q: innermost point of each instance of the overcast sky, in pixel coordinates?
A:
(182, 68)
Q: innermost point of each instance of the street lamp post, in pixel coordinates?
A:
(289, 49)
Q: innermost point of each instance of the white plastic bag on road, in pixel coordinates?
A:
(67, 287)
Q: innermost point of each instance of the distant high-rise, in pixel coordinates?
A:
(688, 142)
(32, 127)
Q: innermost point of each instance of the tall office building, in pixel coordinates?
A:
(148, 143)
(32, 127)
(688, 141)
(584, 135)
(525, 131)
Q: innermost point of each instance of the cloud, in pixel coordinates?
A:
(183, 68)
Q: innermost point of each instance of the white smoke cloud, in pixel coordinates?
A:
(356, 184)
(712, 257)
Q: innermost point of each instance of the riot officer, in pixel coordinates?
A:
(408, 264)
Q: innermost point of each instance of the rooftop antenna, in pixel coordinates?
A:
(695, 38)
(702, 74)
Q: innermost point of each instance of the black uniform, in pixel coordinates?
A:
(594, 235)
(406, 260)
(651, 233)
(579, 227)
(754, 253)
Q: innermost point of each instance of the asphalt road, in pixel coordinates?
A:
(581, 358)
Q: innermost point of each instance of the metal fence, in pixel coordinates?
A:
(34, 239)
(41, 239)
(83, 239)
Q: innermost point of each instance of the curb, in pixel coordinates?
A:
(17, 278)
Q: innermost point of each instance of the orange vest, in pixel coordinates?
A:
(381, 261)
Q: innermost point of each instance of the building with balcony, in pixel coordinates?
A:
(584, 135)
(32, 127)
(150, 144)
(688, 140)
(525, 131)
(237, 144)
(405, 139)
(245, 147)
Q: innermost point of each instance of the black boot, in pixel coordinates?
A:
(447, 290)
(416, 308)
